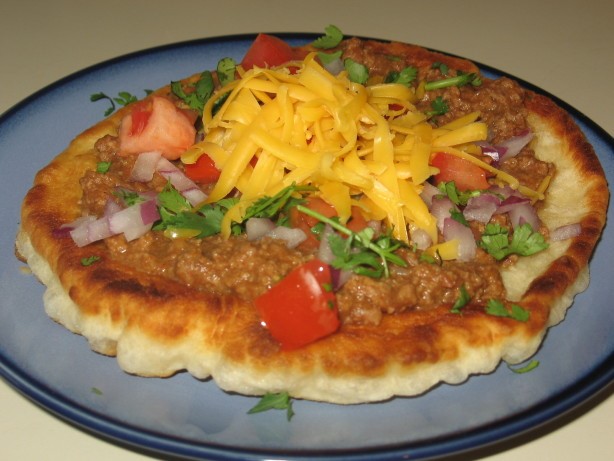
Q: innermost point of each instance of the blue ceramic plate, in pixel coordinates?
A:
(186, 417)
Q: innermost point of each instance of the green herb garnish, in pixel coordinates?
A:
(103, 167)
(443, 68)
(360, 252)
(277, 206)
(88, 261)
(199, 93)
(327, 58)
(226, 68)
(404, 77)
(129, 197)
(456, 196)
(532, 365)
(460, 80)
(274, 401)
(462, 300)
(525, 242)
(357, 73)
(498, 309)
(123, 98)
(331, 39)
(439, 106)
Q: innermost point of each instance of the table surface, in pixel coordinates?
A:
(562, 46)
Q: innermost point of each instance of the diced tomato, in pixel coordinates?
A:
(141, 111)
(156, 125)
(466, 175)
(267, 50)
(203, 171)
(301, 308)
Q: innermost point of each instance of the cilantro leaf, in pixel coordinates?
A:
(461, 301)
(331, 39)
(498, 309)
(226, 68)
(278, 205)
(357, 73)
(525, 242)
(443, 68)
(123, 98)
(360, 252)
(129, 197)
(439, 106)
(405, 77)
(460, 80)
(457, 197)
(327, 58)
(274, 401)
(199, 93)
(88, 261)
(532, 365)
(172, 200)
(103, 167)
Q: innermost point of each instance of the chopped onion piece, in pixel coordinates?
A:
(481, 208)
(421, 238)
(453, 230)
(256, 228)
(524, 213)
(428, 192)
(181, 182)
(335, 66)
(293, 237)
(565, 232)
(515, 144)
(325, 253)
(440, 209)
(145, 166)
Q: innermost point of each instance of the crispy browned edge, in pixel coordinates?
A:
(167, 313)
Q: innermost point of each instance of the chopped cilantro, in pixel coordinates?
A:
(462, 300)
(88, 261)
(405, 77)
(532, 365)
(331, 39)
(498, 309)
(277, 205)
(443, 68)
(358, 73)
(456, 196)
(226, 68)
(103, 167)
(460, 80)
(525, 242)
(178, 215)
(439, 106)
(360, 252)
(274, 401)
(127, 196)
(459, 217)
(199, 93)
(327, 58)
(123, 98)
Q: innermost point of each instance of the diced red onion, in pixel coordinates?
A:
(440, 209)
(335, 66)
(481, 208)
(524, 213)
(421, 238)
(111, 207)
(453, 230)
(428, 192)
(180, 181)
(510, 203)
(325, 253)
(256, 228)
(494, 152)
(339, 277)
(515, 144)
(565, 232)
(145, 166)
(65, 229)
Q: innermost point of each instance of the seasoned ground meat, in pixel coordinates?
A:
(422, 285)
(234, 266)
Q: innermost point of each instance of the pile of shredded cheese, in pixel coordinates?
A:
(365, 146)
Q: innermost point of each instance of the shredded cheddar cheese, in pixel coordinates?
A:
(358, 145)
